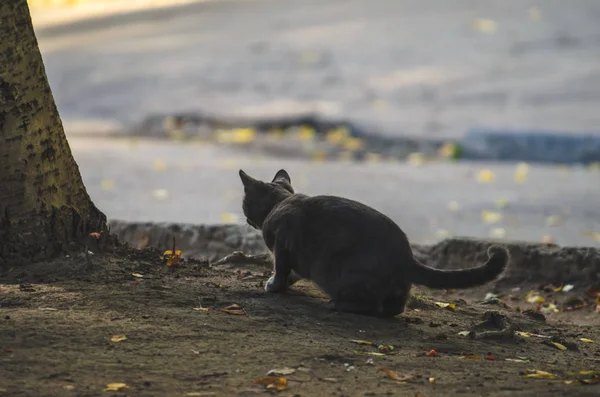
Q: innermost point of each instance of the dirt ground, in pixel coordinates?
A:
(58, 319)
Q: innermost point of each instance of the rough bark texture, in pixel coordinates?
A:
(44, 205)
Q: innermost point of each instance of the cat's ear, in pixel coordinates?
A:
(282, 175)
(247, 180)
(282, 178)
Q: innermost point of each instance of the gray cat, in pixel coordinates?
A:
(354, 253)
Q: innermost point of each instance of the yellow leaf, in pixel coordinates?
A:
(558, 345)
(498, 232)
(379, 104)
(137, 275)
(107, 184)
(306, 133)
(319, 156)
(453, 206)
(362, 342)
(587, 372)
(337, 135)
(502, 202)
(548, 239)
(228, 217)
(448, 150)
(372, 157)
(549, 308)
(532, 297)
(523, 334)
(416, 159)
(485, 176)
(535, 14)
(201, 309)
(118, 338)
(586, 340)
(490, 216)
(464, 333)
(471, 357)
(483, 25)
(116, 387)
(310, 57)
(160, 194)
(273, 382)
(368, 353)
(537, 374)
(431, 380)
(569, 382)
(353, 144)
(443, 305)
(521, 172)
(159, 165)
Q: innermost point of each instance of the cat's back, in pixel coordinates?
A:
(334, 208)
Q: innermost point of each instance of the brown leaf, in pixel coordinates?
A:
(471, 357)
(273, 382)
(234, 309)
(118, 338)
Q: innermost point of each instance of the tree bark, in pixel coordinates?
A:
(44, 206)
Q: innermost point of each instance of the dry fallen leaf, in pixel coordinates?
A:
(368, 353)
(107, 184)
(171, 259)
(273, 382)
(490, 357)
(281, 371)
(485, 176)
(464, 333)
(490, 216)
(118, 338)
(558, 345)
(234, 309)
(483, 25)
(160, 194)
(470, 357)
(390, 374)
(385, 348)
(533, 297)
(393, 375)
(523, 334)
(431, 380)
(202, 309)
(138, 275)
(361, 342)
(159, 165)
(431, 353)
(586, 340)
(450, 306)
(537, 374)
(517, 360)
(568, 287)
(521, 172)
(116, 387)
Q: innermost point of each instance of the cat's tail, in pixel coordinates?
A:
(465, 278)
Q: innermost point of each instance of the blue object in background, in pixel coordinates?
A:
(531, 146)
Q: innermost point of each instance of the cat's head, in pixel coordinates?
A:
(260, 197)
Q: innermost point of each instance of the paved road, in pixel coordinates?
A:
(128, 181)
(407, 67)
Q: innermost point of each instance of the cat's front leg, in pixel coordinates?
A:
(282, 279)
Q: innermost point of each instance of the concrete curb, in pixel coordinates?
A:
(530, 262)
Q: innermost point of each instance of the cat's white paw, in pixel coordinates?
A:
(274, 285)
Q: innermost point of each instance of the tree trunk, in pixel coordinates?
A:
(44, 206)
